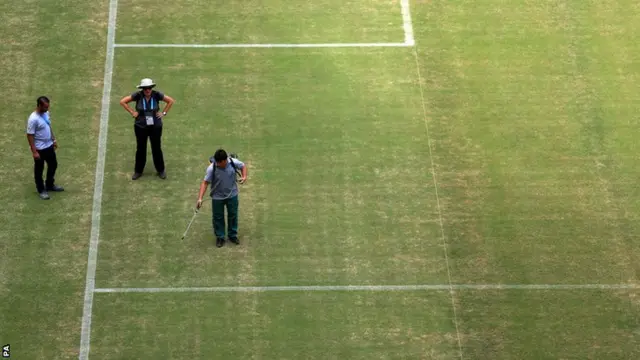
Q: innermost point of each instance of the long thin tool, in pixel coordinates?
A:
(190, 222)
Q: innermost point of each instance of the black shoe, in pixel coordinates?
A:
(234, 240)
(55, 188)
(219, 242)
(136, 176)
(162, 175)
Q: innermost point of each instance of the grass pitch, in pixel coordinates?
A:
(526, 112)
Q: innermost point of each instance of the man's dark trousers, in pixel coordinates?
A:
(218, 207)
(154, 134)
(47, 155)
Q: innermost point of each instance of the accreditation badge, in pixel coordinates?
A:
(149, 117)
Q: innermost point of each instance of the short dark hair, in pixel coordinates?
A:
(42, 100)
(220, 155)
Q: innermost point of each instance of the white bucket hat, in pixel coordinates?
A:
(146, 83)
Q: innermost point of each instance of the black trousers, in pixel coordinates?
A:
(47, 155)
(154, 135)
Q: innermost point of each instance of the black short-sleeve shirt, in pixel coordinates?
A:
(146, 107)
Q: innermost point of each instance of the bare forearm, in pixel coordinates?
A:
(169, 100)
(32, 143)
(244, 172)
(203, 189)
(166, 108)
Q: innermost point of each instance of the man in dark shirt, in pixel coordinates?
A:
(148, 125)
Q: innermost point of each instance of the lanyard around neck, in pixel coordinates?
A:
(144, 103)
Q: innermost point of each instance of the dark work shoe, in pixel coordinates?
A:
(162, 175)
(44, 195)
(136, 176)
(234, 240)
(219, 242)
(55, 188)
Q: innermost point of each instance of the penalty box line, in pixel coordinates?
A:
(435, 287)
(326, 45)
(407, 27)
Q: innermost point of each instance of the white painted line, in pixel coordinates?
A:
(85, 337)
(436, 287)
(327, 45)
(406, 23)
(425, 117)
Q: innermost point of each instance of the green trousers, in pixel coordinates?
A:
(217, 207)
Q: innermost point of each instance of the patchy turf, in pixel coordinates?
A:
(529, 108)
(54, 50)
(267, 325)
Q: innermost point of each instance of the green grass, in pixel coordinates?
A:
(270, 325)
(317, 209)
(273, 21)
(54, 49)
(532, 152)
(550, 324)
(526, 109)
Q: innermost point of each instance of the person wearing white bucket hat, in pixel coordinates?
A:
(148, 125)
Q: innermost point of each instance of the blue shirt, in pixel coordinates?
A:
(39, 126)
(223, 181)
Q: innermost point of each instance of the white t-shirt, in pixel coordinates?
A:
(38, 126)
